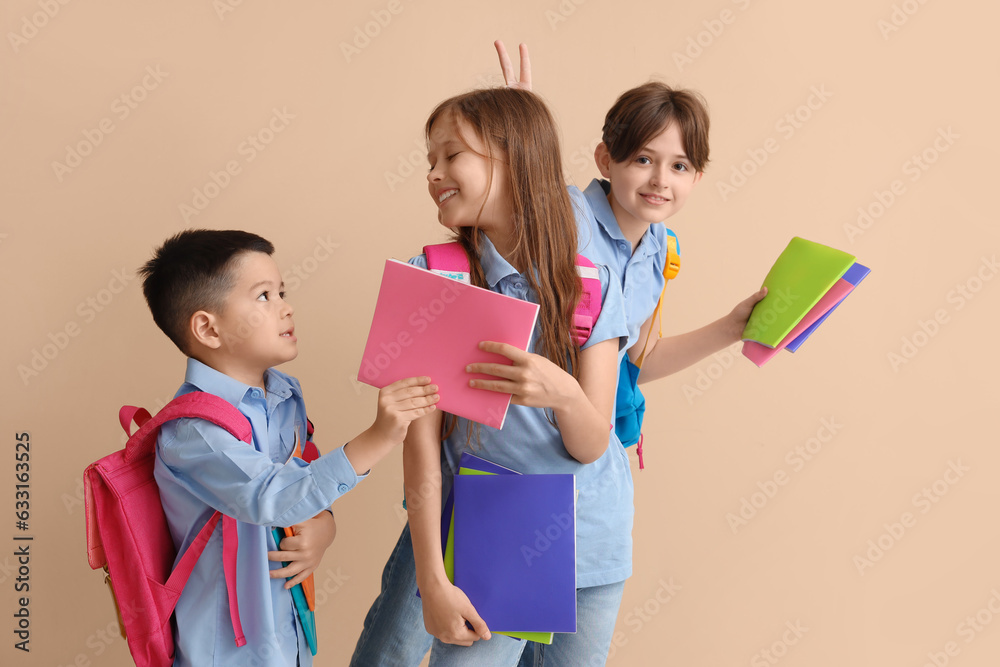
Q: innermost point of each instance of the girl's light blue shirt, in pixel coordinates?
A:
(640, 273)
(530, 443)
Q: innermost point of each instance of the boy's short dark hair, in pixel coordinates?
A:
(193, 271)
(643, 112)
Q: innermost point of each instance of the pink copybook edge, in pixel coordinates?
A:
(761, 354)
(428, 325)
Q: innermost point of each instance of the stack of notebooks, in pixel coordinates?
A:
(509, 542)
(805, 285)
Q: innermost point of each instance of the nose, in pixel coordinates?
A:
(660, 175)
(435, 174)
(286, 309)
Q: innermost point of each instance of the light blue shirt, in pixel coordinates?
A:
(529, 443)
(602, 242)
(201, 468)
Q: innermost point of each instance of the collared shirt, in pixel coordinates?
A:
(530, 443)
(602, 242)
(201, 468)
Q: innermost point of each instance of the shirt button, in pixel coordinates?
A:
(343, 488)
(256, 393)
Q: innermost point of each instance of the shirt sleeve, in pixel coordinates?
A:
(419, 261)
(239, 481)
(611, 322)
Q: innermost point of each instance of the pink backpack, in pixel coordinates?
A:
(127, 531)
(450, 260)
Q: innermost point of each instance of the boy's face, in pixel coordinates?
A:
(652, 185)
(255, 325)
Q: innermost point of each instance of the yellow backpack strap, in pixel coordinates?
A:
(670, 270)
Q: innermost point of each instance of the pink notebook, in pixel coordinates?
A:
(427, 324)
(761, 354)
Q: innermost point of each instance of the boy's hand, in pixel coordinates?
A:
(508, 69)
(741, 313)
(446, 610)
(532, 380)
(304, 550)
(400, 403)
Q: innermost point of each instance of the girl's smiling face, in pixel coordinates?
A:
(653, 184)
(469, 188)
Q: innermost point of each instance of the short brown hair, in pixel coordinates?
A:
(643, 112)
(192, 271)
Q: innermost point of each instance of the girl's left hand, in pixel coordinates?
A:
(304, 550)
(741, 313)
(533, 380)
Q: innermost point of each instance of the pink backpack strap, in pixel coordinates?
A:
(449, 260)
(589, 307)
(197, 405)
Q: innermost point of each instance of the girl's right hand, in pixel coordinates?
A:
(446, 610)
(508, 70)
(402, 402)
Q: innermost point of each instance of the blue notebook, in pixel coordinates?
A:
(854, 275)
(515, 550)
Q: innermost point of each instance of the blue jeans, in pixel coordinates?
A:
(596, 613)
(394, 634)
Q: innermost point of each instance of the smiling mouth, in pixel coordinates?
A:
(654, 199)
(446, 195)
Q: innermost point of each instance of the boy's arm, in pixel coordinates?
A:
(239, 481)
(675, 353)
(446, 608)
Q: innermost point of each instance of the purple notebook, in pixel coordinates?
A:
(515, 550)
(854, 275)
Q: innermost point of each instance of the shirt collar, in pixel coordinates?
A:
(209, 380)
(597, 196)
(495, 267)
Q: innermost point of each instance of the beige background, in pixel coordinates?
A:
(333, 189)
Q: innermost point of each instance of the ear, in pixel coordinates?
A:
(697, 176)
(603, 159)
(205, 331)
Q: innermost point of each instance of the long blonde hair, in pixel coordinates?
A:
(518, 124)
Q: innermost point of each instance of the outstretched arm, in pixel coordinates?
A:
(675, 353)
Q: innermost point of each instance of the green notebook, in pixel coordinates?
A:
(802, 274)
(449, 568)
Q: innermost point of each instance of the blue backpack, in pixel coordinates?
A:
(630, 404)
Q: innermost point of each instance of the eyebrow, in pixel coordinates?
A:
(268, 283)
(647, 149)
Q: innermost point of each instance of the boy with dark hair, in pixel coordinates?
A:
(218, 295)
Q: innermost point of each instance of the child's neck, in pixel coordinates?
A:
(253, 377)
(633, 231)
(632, 228)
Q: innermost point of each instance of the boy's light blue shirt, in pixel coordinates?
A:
(529, 443)
(602, 242)
(201, 468)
